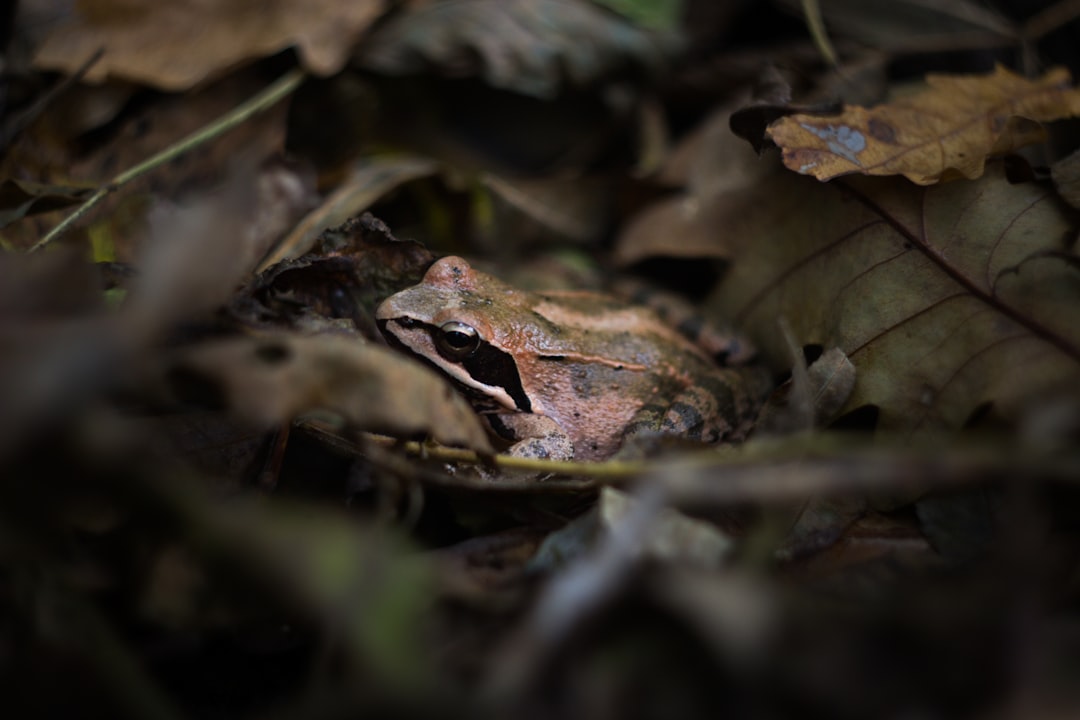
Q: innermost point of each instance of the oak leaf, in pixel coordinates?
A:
(943, 132)
(952, 301)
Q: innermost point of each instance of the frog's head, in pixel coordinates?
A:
(451, 320)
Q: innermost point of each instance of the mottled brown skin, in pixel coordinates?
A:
(567, 374)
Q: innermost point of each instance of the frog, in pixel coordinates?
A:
(567, 374)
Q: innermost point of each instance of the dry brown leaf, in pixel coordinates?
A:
(950, 300)
(713, 165)
(338, 284)
(944, 132)
(174, 46)
(1066, 175)
(272, 379)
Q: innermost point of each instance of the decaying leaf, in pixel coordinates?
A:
(351, 269)
(944, 132)
(533, 47)
(948, 300)
(270, 380)
(174, 46)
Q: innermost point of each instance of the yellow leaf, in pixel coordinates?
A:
(944, 132)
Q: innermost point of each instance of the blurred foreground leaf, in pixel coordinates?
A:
(532, 47)
(271, 380)
(174, 46)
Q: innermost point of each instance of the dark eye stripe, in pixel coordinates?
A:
(494, 367)
(487, 365)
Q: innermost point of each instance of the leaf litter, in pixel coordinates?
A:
(189, 486)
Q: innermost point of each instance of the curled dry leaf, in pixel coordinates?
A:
(174, 46)
(270, 380)
(946, 131)
(949, 300)
(349, 271)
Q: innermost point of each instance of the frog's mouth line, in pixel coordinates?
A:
(486, 367)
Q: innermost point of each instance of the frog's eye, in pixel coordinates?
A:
(456, 340)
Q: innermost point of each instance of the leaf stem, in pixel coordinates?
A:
(815, 23)
(266, 99)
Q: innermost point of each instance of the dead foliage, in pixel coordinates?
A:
(227, 488)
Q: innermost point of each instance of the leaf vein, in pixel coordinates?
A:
(957, 275)
(778, 281)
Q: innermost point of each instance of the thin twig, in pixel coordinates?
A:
(771, 470)
(266, 99)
